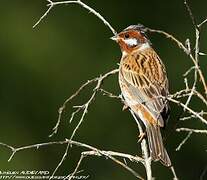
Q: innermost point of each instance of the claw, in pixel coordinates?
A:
(141, 136)
(125, 107)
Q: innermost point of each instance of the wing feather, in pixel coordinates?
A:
(145, 77)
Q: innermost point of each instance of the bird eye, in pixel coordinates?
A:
(126, 36)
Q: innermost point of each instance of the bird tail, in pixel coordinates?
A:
(157, 150)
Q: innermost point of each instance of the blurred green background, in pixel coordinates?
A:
(41, 67)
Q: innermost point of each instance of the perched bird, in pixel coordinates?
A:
(143, 82)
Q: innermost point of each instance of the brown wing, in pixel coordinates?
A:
(144, 75)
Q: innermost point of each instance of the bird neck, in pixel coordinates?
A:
(140, 48)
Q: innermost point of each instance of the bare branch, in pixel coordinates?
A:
(62, 108)
(192, 130)
(145, 151)
(171, 37)
(108, 155)
(180, 45)
(183, 141)
(189, 70)
(74, 113)
(83, 107)
(202, 113)
(174, 173)
(62, 160)
(202, 23)
(75, 143)
(109, 94)
(188, 109)
(44, 15)
(85, 6)
(190, 14)
(95, 91)
(93, 151)
(70, 176)
(187, 92)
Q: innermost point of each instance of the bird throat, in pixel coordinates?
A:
(141, 47)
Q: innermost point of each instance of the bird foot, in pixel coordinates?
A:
(125, 107)
(141, 136)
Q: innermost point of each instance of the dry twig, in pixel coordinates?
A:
(99, 80)
(192, 130)
(93, 152)
(79, 2)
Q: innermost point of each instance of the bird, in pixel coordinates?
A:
(144, 85)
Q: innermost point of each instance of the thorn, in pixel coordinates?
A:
(187, 45)
(202, 54)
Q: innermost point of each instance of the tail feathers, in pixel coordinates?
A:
(157, 150)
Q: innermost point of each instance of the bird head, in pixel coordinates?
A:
(132, 38)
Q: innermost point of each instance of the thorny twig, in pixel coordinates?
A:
(99, 80)
(93, 151)
(202, 113)
(192, 130)
(183, 141)
(60, 111)
(95, 90)
(145, 152)
(62, 159)
(202, 23)
(180, 45)
(188, 109)
(186, 92)
(189, 92)
(79, 2)
(108, 155)
(190, 14)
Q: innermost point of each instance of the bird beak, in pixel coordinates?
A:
(114, 38)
